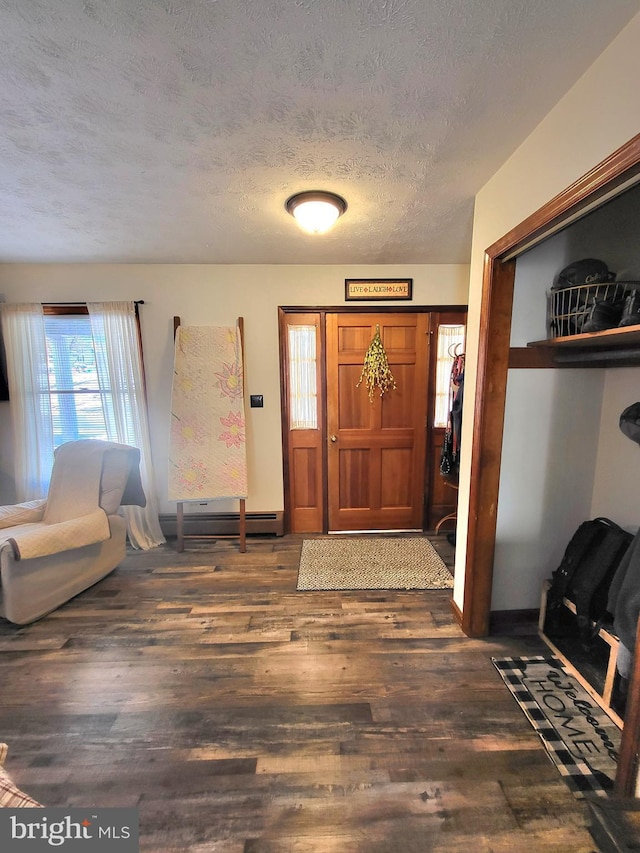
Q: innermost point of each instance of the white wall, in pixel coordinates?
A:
(600, 113)
(548, 465)
(616, 490)
(213, 295)
(552, 421)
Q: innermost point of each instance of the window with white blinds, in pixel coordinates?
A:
(79, 407)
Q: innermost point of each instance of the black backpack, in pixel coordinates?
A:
(585, 574)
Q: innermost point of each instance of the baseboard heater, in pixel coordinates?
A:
(224, 523)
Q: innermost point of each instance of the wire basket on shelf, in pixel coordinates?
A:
(568, 307)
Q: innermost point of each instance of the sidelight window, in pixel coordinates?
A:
(450, 342)
(303, 391)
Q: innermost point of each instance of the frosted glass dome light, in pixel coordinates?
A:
(316, 211)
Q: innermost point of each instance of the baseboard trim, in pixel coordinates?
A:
(507, 622)
(224, 523)
(457, 613)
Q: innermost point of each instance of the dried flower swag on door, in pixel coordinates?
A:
(375, 371)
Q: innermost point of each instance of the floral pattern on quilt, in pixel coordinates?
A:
(207, 454)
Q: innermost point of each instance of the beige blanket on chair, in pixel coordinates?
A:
(40, 539)
(72, 515)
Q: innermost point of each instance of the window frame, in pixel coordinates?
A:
(70, 309)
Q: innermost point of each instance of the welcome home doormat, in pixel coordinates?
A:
(580, 738)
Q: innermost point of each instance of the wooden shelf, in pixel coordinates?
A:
(627, 336)
(610, 348)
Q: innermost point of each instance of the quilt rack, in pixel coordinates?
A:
(181, 536)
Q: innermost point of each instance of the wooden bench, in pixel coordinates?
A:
(594, 669)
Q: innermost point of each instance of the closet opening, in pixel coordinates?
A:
(612, 177)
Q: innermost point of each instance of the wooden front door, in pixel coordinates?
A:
(376, 448)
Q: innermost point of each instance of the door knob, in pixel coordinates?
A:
(333, 439)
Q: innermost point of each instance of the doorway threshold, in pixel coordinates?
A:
(362, 532)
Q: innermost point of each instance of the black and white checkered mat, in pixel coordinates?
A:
(580, 738)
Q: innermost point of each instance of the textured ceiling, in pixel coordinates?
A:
(172, 131)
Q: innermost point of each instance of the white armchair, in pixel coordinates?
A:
(53, 549)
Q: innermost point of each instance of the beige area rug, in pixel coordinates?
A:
(364, 563)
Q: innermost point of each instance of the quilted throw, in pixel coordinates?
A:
(207, 453)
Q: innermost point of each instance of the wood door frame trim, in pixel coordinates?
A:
(284, 420)
(322, 311)
(285, 411)
(486, 443)
(621, 167)
(367, 308)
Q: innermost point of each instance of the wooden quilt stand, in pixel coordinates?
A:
(181, 535)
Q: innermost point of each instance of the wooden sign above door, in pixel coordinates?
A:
(369, 289)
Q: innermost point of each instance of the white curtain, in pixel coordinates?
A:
(28, 380)
(119, 364)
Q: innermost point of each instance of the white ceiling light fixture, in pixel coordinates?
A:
(315, 210)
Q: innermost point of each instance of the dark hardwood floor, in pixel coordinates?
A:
(241, 716)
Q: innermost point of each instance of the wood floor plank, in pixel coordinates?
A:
(241, 716)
